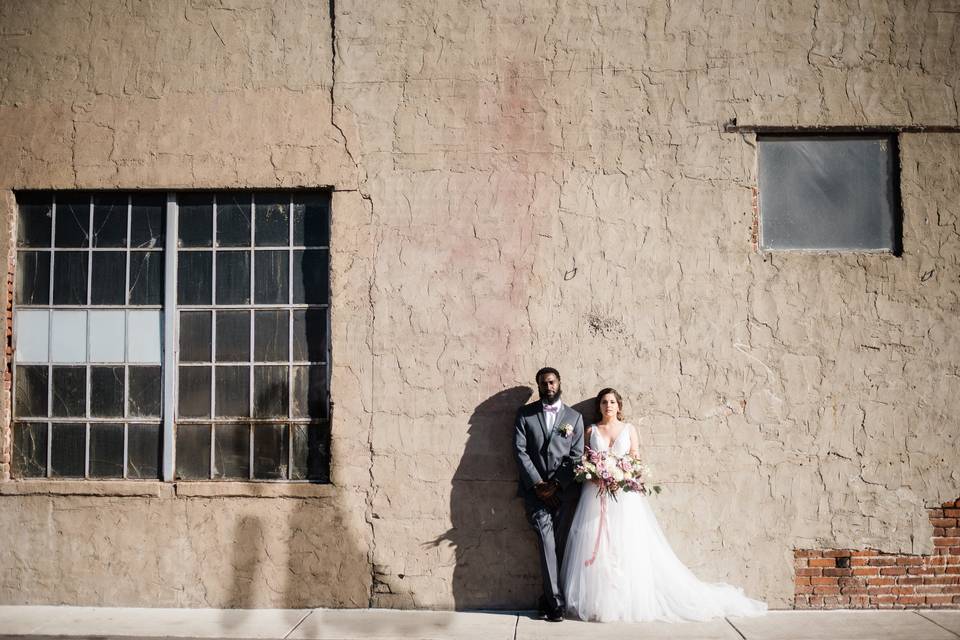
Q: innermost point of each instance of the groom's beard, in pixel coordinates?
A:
(551, 400)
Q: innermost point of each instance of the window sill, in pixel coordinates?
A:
(155, 489)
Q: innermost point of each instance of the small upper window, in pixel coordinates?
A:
(829, 193)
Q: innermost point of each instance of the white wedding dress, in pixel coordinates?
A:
(634, 575)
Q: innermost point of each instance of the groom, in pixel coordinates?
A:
(548, 443)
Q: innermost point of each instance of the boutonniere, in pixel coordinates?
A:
(566, 430)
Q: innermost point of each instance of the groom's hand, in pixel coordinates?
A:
(547, 492)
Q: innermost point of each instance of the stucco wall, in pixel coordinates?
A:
(520, 186)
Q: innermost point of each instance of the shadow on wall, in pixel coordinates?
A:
(495, 550)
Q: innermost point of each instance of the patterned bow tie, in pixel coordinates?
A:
(550, 409)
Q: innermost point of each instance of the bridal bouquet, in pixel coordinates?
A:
(613, 474)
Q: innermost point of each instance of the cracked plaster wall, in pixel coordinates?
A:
(520, 185)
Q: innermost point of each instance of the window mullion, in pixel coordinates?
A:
(169, 337)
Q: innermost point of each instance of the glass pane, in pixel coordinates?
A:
(270, 452)
(309, 393)
(106, 392)
(107, 335)
(110, 220)
(311, 452)
(231, 457)
(272, 219)
(310, 335)
(828, 192)
(69, 392)
(144, 391)
(34, 215)
(195, 219)
(193, 451)
(143, 331)
(270, 392)
(310, 277)
(73, 220)
(194, 396)
(33, 277)
(146, 277)
(31, 390)
(67, 450)
(196, 335)
(109, 277)
(233, 392)
(272, 277)
(70, 277)
(233, 219)
(68, 336)
(271, 336)
(143, 451)
(195, 270)
(233, 277)
(311, 219)
(148, 220)
(29, 450)
(31, 335)
(233, 336)
(106, 450)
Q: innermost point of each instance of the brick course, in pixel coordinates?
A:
(877, 580)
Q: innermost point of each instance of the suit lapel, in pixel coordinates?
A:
(543, 423)
(561, 412)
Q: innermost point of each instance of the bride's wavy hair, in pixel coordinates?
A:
(616, 394)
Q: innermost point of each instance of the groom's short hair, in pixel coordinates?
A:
(544, 372)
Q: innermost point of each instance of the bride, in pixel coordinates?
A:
(618, 566)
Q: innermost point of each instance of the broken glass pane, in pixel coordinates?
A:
(311, 219)
(196, 334)
(194, 277)
(310, 276)
(146, 277)
(272, 224)
(110, 220)
(35, 214)
(73, 220)
(233, 336)
(109, 277)
(311, 452)
(144, 391)
(70, 277)
(233, 219)
(106, 450)
(231, 457)
(270, 392)
(195, 219)
(106, 392)
(310, 335)
(233, 392)
(69, 392)
(309, 393)
(31, 391)
(143, 451)
(33, 277)
(193, 452)
(271, 336)
(194, 396)
(233, 277)
(272, 277)
(148, 220)
(29, 450)
(68, 447)
(270, 452)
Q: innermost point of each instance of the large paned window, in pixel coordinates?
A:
(246, 367)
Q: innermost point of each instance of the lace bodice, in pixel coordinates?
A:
(620, 445)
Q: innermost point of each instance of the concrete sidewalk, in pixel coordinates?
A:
(309, 624)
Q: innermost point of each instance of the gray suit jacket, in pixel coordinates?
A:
(543, 456)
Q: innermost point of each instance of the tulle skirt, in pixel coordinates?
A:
(633, 575)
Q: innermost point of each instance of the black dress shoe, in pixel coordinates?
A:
(543, 609)
(556, 615)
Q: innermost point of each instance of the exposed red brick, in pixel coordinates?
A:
(874, 582)
(866, 571)
(893, 571)
(943, 522)
(826, 590)
(920, 571)
(951, 513)
(823, 562)
(883, 561)
(937, 542)
(837, 572)
(809, 572)
(939, 599)
(909, 560)
(837, 553)
(864, 552)
(911, 600)
(822, 581)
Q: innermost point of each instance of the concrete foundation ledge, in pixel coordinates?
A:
(254, 490)
(111, 488)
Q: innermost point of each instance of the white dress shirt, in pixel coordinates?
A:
(550, 417)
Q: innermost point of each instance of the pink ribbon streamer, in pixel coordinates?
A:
(601, 529)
